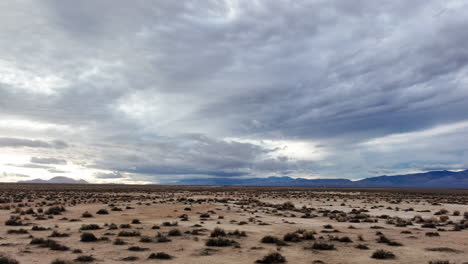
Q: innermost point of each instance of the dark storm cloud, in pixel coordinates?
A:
(192, 154)
(31, 143)
(179, 87)
(48, 161)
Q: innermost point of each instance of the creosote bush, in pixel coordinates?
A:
(88, 237)
(383, 254)
(160, 255)
(220, 242)
(272, 258)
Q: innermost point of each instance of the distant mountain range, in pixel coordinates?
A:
(57, 180)
(432, 179)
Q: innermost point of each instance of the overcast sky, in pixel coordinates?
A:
(156, 91)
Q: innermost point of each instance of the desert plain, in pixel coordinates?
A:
(52, 223)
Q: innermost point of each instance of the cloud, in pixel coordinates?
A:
(53, 170)
(48, 161)
(15, 175)
(235, 88)
(31, 143)
(112, 175)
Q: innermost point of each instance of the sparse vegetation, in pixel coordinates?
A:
(383, 254)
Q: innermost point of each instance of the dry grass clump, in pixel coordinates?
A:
(218, 232)
(323, 246)
(272, 258)
(383, 254)
(102, 212)
(129, 233)
(85, 258)
(438, 261)
(220, 242)
(88, 237)
(49, 243)
(160, 255)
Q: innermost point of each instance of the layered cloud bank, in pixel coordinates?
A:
(145, 91)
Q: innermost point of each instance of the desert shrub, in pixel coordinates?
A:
(51, 244)
(102, 212)
(383, 239)
(17, 231)
(137, 248)
(361, 246)
(323, 246)
(129, 233)
(61, 261)
(125, 226)
(136, 221)
(38, 228)
(345, 239)
(130, 258)
(269, 239)
(112, 227)
(87, 215)
(174, 232)
(170, 224)
(292, 237)
(308, 235)
(162, 239)
(272, 258)
(444, 218)
(439, 262)
(7, 260)
(146, 239)
(54, 245)
(205, 215)
(14, 221)
(119, 242)
(288, 206)
(90, 227)
(58, 234)
(218, 232)
(55, 210)
(37, 241)
(88, 237)
(444, 249)
(237, 233)
(85, 258)
(383, 254)
(428, 225)
(160, 255)
(220, 242)
(432, 234)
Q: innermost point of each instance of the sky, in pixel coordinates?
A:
(116, 91)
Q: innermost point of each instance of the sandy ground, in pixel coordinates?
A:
(259, 211)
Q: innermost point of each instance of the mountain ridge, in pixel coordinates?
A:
(56, 180)
(431, 179)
